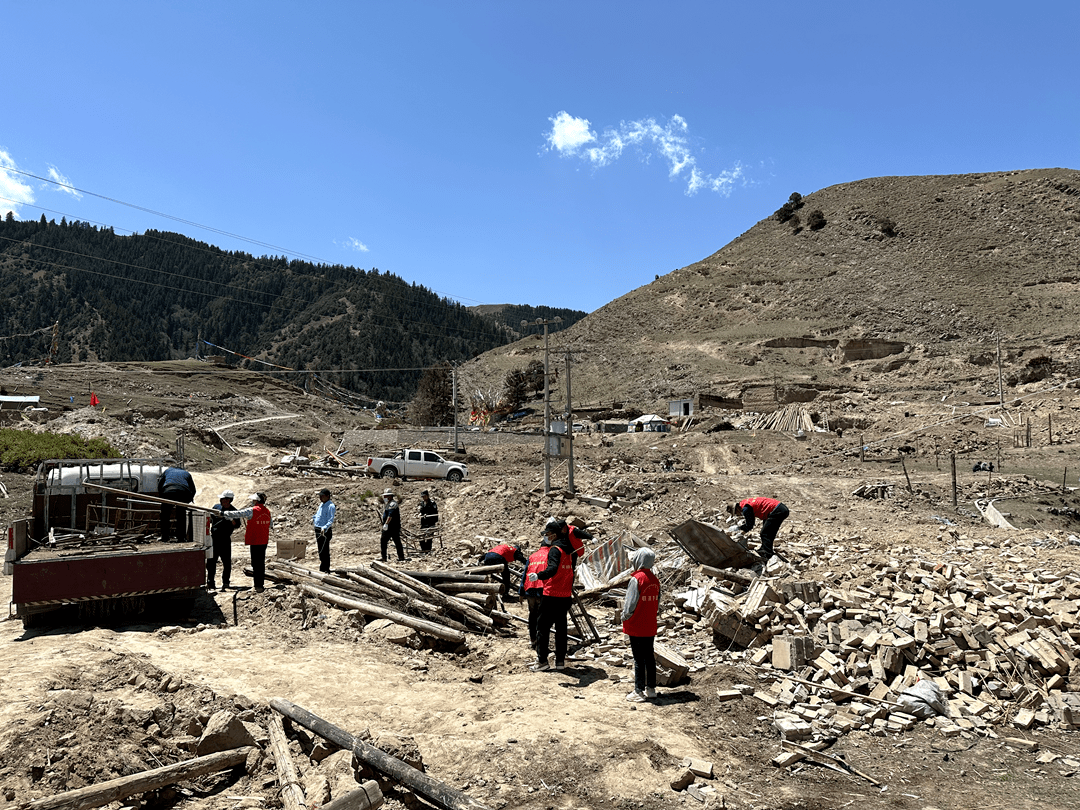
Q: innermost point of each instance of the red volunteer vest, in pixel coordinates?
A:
(562, 584)
(763, 507)
(504, 551)
(537, 563)
(643, 622)
(257, 532)
(577, 543)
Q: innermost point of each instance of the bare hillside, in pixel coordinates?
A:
(943, 265)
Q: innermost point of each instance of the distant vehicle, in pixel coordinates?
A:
(416, 464)
(579, 426)
(83, 547)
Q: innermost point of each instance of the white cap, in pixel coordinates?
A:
(227, 494)
(253, 497)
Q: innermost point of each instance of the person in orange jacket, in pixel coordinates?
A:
(640, 609)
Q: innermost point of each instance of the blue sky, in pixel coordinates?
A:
(509, 152)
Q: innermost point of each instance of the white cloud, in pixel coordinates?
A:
(355, 244)
(568, 134)
(670, 141)
(14, 191)
(64, 183)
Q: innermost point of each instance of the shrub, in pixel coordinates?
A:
(815, 220)
(21, 450)
(784, 212)
(887, 226)
(795, 199)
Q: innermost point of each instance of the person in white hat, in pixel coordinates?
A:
(391, 525)
(221, 529)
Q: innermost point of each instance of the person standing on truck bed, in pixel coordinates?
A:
(175, 484)
(256, 535)
(221, 529)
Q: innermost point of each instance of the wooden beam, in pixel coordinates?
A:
(116, 789)
(292, 795)
(419, 782)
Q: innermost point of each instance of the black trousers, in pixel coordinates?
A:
(644, 662)
(173, 519)
(534, 598)
(490, 558)
(553, 610)
(322, 541)
(223, 552)
(384, 542)
(258, 564)
(770, 527)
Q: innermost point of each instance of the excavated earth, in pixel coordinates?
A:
(87, 702)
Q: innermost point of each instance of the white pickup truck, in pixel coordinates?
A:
(416, 464)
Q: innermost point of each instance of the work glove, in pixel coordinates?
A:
(533, 577)
(386, 527)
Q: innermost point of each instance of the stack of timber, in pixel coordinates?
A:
(790, 419)
(382, 592)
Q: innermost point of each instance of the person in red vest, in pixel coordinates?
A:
(769, 510)
(504, 554)
(558, 582)
(256, 534)
(534, 591)
(640, 607)
(571, 538)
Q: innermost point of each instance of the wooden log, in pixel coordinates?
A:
(600, 590)
(468, 587)
(374, 588)
(124, 786)
(292, 794)
(470, 613)
(141, 496)
(419, 782)
(393, 583)
(446, 576)
(370, 609)
(366, 797)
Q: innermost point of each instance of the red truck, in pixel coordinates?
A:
(98, 550)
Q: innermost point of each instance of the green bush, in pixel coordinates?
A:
(785, 212)
(21, 450)
(815, 220)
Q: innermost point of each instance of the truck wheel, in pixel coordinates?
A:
(388, 472)
(454, 475)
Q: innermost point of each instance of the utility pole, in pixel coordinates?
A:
(547, 399)
(453, 398)
(569, 428)
(1001, 387)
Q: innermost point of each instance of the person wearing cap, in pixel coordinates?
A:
(391, 525)
(175, 484)
(256, 534)
(221, 529)
(769, 510)
(429, 519)
(323, 521)
(533, 592)
(570, 538)
(640, 608)
(503, 554)
(557, 580)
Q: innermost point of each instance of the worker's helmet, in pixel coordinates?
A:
(226, 494)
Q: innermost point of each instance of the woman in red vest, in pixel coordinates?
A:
(256, 535)
(639, 613)
(534, 591)
(557, 579)
(769, 510)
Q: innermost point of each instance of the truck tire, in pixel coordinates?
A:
(454, 475)
(388, 472)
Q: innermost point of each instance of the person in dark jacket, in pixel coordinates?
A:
(570, 538)
(769, 510)
(429, 519)
(221, 530)
(391, 525)
(558, 583)
(175, 484)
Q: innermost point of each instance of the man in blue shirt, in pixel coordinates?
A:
(324, 528)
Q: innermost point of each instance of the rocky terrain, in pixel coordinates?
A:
(89, 702)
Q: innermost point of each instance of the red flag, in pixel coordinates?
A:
(94, 401)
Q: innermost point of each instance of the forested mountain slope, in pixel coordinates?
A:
(152, 296)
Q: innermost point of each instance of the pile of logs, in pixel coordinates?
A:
(790, 419)
(440, 607)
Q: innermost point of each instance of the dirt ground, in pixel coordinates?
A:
(91, 701)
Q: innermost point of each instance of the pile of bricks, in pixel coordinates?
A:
(1001, 643)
